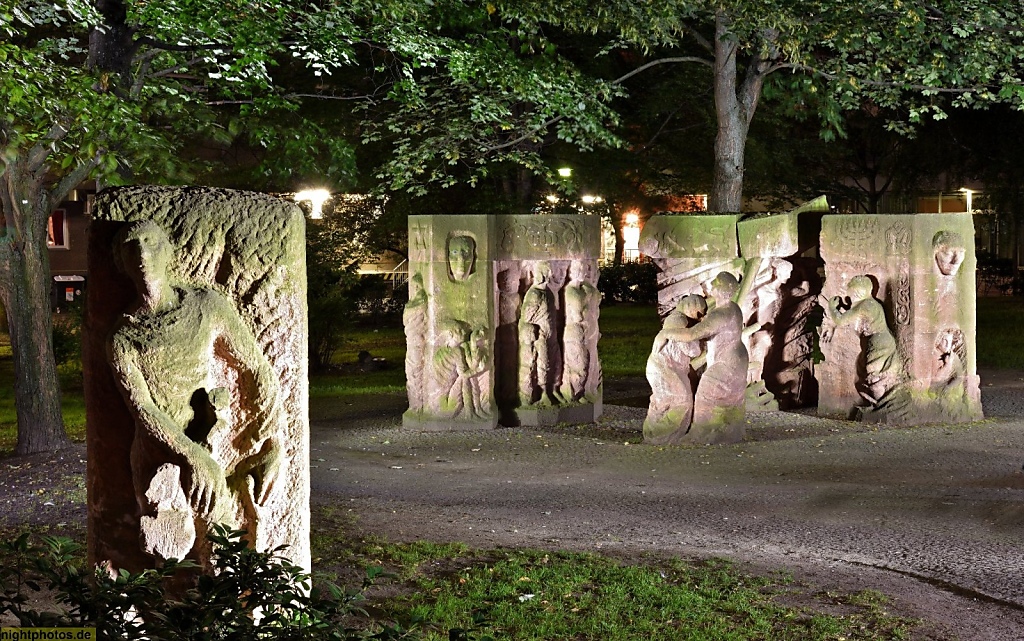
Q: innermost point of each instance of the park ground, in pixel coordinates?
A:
(929, 516)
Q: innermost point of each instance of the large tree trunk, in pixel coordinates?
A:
(25, 290)
(735, 105)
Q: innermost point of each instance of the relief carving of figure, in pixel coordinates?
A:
(204, 451)
(669, 373)
(460, 362)
(414, 319)
(883, 366)
(949, 252)
(718, 407)
(949, 381)
(461, 257)
(536, 325)
(579, 338)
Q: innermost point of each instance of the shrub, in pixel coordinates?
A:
(67, 335)
(251, 595)
(635, 282)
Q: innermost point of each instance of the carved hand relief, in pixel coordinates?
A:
(949, 252)
(461, 257)
(951, 356)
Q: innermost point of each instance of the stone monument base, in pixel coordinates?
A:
(543, 416)
(435, 424)
(727, 425)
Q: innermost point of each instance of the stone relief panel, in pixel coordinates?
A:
(511, 321)
(196, 352)
(551, 237)
(767, 244)
(923, 268)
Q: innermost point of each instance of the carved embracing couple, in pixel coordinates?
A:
(695, 336)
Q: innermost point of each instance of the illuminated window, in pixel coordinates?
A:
(57, 230)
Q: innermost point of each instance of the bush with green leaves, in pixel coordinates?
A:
(635, 282)
(250, 595)
(67, 335)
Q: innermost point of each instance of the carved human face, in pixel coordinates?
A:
(949, 251)
(693, 306)
(724, 287)
(541, 271)
(944, 344)
(948, 259)
(146, 252)
(461, 255)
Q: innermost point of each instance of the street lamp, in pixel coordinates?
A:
(969, 194)
(316, 198)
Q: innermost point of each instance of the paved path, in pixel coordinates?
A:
(934, 514)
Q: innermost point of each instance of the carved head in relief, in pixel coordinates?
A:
(949, 252)
(723, 288)
(461, 257)
(692, 306)
(860, 288)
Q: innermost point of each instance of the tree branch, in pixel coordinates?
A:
(166, 46)
(74, 178)
(41, 150)
(661, 61)
(701, 40)
(617, 81)
(176, 68)
(530, 134)
(329, 97)
(884, 84)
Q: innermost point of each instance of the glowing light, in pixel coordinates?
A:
(565, 172)
(316, 198)
(969, 193)
(631, 236)
(551, 198)
(589, 200)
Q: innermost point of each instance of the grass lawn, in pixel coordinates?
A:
(535, 595)
(1001, 332)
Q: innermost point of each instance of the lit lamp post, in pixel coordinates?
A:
(316, 198)
(631, 236)
(969, 196)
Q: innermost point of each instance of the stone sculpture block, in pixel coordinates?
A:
(718, 406)
(502, 321)
(778, 288)
(921, 270)
(195, 364)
